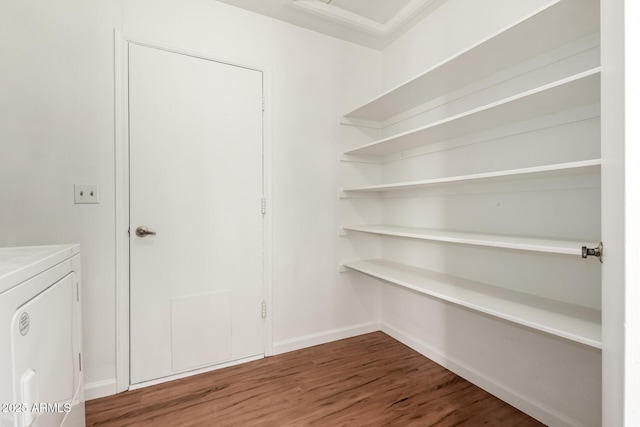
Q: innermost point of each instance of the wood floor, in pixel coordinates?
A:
(370, 380)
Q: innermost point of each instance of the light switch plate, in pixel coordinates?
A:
(85, 194)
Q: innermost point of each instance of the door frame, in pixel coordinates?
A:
(121, 110)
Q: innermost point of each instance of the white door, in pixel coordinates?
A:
(196, 180)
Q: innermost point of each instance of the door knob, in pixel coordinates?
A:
(143, 232)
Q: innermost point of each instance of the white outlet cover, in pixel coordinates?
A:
(85, 194)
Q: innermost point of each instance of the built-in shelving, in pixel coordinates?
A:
(443, 134)
(524, 39)
(555, 246)
(573, 92)
(584, 167)
(573, 322)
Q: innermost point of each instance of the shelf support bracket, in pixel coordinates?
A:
(597, 251)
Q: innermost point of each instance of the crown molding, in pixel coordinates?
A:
(358, 22)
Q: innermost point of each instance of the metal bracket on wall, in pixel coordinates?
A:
(597, 251)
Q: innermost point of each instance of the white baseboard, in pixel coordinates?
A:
(527, 405)
(535, 409)
(305, 341)
(104, 388)
(99, 389)
(194, 372)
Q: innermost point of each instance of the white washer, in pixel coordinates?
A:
(41, 381)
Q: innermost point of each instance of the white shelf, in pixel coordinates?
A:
(566, 247)
(565, 320)
(554, 25)
(585, 167)
(576, 91)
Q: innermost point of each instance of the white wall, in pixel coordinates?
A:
(454, 26)
(555, 380)
(57, 118)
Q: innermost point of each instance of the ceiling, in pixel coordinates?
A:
(371, 23)
(380, 11)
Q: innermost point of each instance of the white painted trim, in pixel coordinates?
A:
(324, 337)
(121, 112)
(268, 194)
(98, 389)
(121, 43)
(524, 403)
(614, 208)
(359, 22)
(195, 372)
(632, 213)
(210, 56)
(405, 14)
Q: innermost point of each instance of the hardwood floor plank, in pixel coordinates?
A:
(370, 380)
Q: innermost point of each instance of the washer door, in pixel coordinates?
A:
(45, 355)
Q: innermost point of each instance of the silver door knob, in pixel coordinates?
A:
(143, 232)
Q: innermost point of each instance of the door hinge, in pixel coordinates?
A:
(264, 309)
(80, 362)
(263, 104)
(78, 292)
(264, 206)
